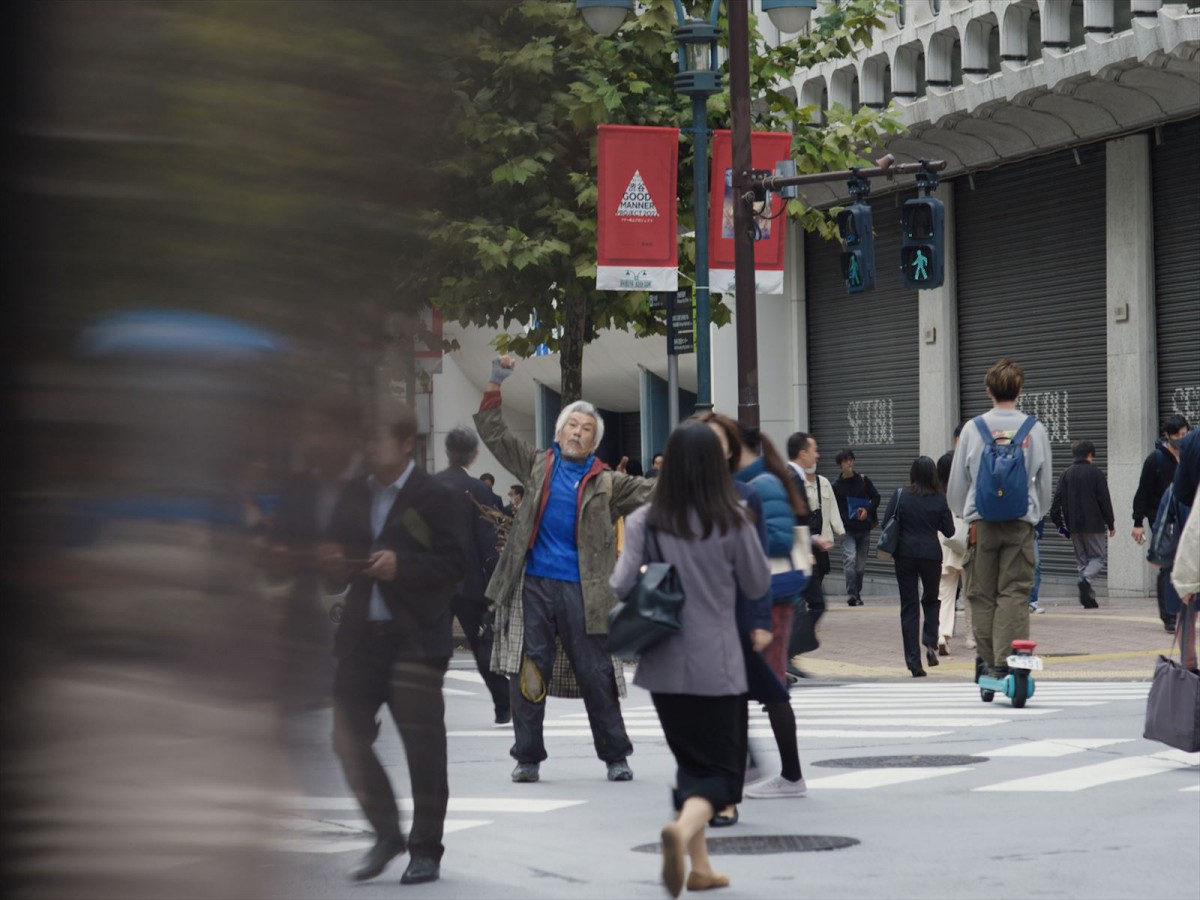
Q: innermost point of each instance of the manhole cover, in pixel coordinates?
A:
(900, 762)
(767, 843)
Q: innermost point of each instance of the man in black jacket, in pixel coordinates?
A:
(1082, 510)
(479, 536)
(854, 489)
(396, 535)
(1157, 473)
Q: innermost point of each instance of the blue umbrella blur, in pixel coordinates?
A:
(178, 334)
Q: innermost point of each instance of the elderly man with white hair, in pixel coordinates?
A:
(550, 587)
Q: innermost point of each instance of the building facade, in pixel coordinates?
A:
(1071, 132)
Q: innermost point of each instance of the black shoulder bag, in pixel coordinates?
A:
(651, 611)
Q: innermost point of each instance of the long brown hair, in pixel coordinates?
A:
(759, 443)
(694, 478)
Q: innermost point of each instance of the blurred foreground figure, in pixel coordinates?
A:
(396, 536)
(139, 750)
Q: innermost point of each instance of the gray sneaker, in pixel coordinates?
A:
(776, 788)
(525, 773)
(619, 771)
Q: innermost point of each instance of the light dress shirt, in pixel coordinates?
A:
(383, 497)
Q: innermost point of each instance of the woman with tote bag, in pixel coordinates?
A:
(697, 676)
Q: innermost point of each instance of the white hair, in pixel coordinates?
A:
(580, 406)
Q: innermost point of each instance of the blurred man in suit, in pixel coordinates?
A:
(479, 538)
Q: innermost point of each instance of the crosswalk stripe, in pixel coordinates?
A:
(337, 845)
(970, 710)
(754, 732)
(1054, 748)
(1194, 787)
(456, 805)
(1084, 777)
(463, 675)
(875, 778)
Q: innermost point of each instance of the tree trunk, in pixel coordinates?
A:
(571, 346)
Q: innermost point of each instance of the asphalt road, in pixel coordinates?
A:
(1063, 799)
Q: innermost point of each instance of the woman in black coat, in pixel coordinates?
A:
(922, 509)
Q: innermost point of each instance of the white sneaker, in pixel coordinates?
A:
(971, 643)
(776, 788)
(1036, 607)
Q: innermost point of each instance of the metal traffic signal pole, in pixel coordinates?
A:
(743, 226)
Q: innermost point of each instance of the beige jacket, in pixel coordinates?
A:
(1185, 574)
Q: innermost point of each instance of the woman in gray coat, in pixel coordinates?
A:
(697, 677)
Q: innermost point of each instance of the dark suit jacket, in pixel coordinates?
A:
(422, 529)
(478, 536)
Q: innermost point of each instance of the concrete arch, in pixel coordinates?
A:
(843, 88)
(981, 49)
(943, 60)
(813, 93)
(908, 71)
(1062, 22)
(876, 82)
(1098, 16)
(1015, 32)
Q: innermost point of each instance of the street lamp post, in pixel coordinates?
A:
(698, 78)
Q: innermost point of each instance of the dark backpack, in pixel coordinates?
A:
(1168, 526)
(1002, 485)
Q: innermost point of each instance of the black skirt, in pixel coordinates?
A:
(708, 737)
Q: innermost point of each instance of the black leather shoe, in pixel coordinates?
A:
(917, 672)
(503, 716)
(931, 657)
(375, 860)
(720, 820)
(420, 870)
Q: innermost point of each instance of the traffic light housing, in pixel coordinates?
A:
(856, 227)
(923, 243)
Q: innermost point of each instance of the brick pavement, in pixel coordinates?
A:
(1118, 642)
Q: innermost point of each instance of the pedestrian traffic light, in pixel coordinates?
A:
(858, 256)
(923, 242)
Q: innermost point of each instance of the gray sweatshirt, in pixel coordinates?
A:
(960, 492)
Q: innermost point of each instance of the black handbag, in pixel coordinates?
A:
(651, 611)
(889, 537)
(1173, 706)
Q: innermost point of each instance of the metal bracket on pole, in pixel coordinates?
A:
(927, 178)
(858, 186)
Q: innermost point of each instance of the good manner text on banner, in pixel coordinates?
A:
(636, 240)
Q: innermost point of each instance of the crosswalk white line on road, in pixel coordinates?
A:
(456, 805)
(341, 845)
(1054, 748)
(1193, 788)
(464, 675)
(1084, 777)
(754, 732)
(865, 779)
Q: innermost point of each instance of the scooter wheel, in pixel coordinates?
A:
(1020, 688)
(986, 696)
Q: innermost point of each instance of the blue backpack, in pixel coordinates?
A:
(1002, 485)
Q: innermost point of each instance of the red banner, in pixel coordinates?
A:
(636, 239)
(766, 149)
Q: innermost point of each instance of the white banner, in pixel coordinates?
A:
(625, 278)
(721, 281)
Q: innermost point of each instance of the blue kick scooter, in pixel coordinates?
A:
(1018, 684)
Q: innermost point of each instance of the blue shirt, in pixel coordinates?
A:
(555, 553)
(383, 497)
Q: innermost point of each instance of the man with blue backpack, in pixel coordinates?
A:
(1000, 482)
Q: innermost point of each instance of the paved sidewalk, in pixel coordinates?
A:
(1118, 642)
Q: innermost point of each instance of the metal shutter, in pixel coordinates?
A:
(1032, 286)
(863, 367)
(1177, 269)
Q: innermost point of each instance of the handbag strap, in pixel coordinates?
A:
(651, 540)
(899, 494)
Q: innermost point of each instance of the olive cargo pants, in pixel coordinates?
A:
(1001, 579)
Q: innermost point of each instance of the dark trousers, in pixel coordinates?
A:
(1168, 597)
(469, 613)
(708, 737)
(553, 609)
(371, 677)
(916, 599)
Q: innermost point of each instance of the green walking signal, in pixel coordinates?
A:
(858, 237)
(922, 243)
